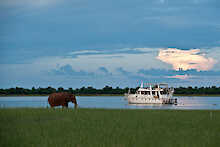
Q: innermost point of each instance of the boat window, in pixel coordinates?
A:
(163, 92)
(154, 92)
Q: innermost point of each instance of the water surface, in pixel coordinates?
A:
(113, 102)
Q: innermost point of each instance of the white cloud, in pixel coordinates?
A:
(90, 60)
(84, 52)
(128, 60)
(132, 60)
(182, 77)
(186, 59)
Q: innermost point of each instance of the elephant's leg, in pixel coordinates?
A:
(65, 105)
(75, 106)
(51, 105)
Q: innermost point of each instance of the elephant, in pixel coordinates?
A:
(61, 99)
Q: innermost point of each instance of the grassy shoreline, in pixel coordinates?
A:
(107, 128)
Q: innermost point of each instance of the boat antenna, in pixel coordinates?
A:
(142, 84)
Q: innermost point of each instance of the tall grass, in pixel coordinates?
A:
(108, 128)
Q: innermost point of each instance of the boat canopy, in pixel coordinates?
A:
(148, 89)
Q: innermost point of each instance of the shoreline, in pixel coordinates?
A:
(191, 95)
(17, 95)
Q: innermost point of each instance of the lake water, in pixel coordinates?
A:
(112, 102)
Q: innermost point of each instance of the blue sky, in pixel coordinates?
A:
(75, 43)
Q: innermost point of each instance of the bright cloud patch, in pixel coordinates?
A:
(182, 77)
(186, 59)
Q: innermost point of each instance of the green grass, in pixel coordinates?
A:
(108, 128)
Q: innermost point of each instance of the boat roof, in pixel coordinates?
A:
(148, 89)
(146, 85)
(153, 84)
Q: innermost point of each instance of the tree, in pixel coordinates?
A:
(60, 89)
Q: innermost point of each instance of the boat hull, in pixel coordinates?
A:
(144, 101)
(149, 100)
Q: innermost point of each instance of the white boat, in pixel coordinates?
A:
(152, 94)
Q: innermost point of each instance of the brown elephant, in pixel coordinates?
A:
(61, 99)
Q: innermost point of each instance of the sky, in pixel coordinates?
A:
(76, 43)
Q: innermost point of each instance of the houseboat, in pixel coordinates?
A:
(149, 93)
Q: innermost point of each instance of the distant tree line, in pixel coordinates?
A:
(78, 91)
(198, 90)
(106, 90)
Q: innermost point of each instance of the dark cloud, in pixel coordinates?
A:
(102, 25)
(122, 71)
(128, 74)
(105, 71)
(28, 34)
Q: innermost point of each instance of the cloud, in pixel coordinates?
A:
(142, 61)
(182, 77)
(28, 2)
(131, 59)
(111, 51)
(124, 67)
(68, 70)
(186, 59)
(122, 71)
(104, 71)
(85, 52)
